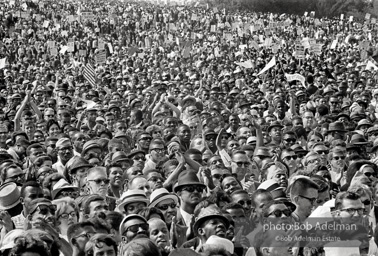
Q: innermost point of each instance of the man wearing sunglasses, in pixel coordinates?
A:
(303, 193)
(133, 225)
(189, 189)
(97, 181)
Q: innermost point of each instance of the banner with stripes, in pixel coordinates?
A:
(90, 74)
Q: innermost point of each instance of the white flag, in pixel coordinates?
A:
(296, 77)
(271, 64)
(370, 65)
(245, 64)
(2, 63)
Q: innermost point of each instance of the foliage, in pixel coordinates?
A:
(322, 8)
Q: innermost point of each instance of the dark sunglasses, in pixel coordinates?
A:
(291, 158)
(322, 152)
(247, 202)
(164, 207)
(191, 189)
(279, 213)
(99, 181)
(366, 202)
(139, 158)
(145, 138)
(45, 209)
(291, 140)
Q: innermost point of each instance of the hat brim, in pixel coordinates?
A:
(203, 219)
(271, 127)
(56, 191)
(336, 131)
(121, 206)
(10, 206)
(177, 188)
(170, 196)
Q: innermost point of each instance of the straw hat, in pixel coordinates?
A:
(9, 196)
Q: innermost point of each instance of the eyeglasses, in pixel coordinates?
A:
(217, 161)
(164, 207)
(311, 200)
(352, 211)
(366, 202)
(241, 164)
(87, 235)
(279, 213)
(66, 215)
(220, 176)
(369, 174)
(322, 152)
(191, 189)
(135, 228)
(158, 150)
(211, 138)
(18, 176)
(99, 181)
(247, 202)
(338, 158)
(155, 179)
(145, 138)
(294, 157)
(72, 194)
(45, 209)
(139, 158)
(290, 140)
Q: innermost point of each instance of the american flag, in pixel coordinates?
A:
(90, 74)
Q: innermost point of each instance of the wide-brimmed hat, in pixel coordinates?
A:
(77, 162)
(187, 178)
(269, 185)
(358, 139)
(120, 156)
(299, 149)
(9, 196)
(135, 152)
(188, 99)
(159, 195)
(9, 239)
(280, 195)
(363, 122)
(336, 127)
(209, 212)
(127, 218)
(343, 114)
(62, 184)
(210, 132)
(244, 103)
(263, 151)
(132, 196)
(89, 145)
(275, 124)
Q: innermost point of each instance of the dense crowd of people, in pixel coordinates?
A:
(147, 128)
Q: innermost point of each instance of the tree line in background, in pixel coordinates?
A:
(322, 8)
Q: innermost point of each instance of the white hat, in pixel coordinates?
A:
(221, 242)
(159, 195)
